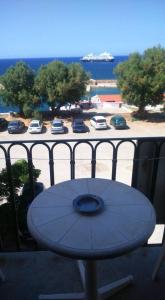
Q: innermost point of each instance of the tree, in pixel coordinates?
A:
(141, 78)
(18, 85)
(50, 81)
(58, 83)
(75, 86)
(20, 176)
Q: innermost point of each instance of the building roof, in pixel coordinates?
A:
(110, 98)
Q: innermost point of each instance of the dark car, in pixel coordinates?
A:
(78, 126)
(118, 122)
(3, 123)
(16, 126)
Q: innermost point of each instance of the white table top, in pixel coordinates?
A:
(126, 222)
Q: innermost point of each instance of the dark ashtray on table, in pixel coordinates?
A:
(88, 204)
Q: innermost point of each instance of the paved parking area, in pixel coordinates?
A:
(135, 128)
(83, 154)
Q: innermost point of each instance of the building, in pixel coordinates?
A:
(107, 101)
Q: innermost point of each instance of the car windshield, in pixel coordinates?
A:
(101, 121)
(78, 122)
(79, 125)
(14, 124)
(34, 125)
(57, 124)
(120, 119)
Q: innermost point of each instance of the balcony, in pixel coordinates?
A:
(138, 162)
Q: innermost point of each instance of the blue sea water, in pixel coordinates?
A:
(97, 70)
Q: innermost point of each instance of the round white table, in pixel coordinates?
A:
(125, 219)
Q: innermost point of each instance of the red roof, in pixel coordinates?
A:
(110, 98)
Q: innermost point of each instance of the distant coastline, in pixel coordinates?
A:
(103, 82)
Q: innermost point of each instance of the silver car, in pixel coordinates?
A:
(35, 126)
(57, 126)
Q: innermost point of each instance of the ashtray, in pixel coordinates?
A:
(88, 204)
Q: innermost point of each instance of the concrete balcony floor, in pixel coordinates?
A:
(29, 274)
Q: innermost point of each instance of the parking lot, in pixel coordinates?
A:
(83, 152)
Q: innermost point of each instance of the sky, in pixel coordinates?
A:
(63, 28)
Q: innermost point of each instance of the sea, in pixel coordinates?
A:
(97, 70)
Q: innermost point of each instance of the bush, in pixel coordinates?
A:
(20, 176)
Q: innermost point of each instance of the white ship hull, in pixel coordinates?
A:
(103, 57)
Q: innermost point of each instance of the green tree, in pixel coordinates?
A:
(49, 82)
(20, 176)
(18, 85)
(141, 78)
(75, 87)
(58, 83)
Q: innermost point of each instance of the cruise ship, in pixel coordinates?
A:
(105, 56)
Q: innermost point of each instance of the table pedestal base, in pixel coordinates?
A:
(88, 275)
(89, 280)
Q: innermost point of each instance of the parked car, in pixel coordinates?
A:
(99, 122)
(35, 126)
(118, 122)
(15, 126)
(78, 126)
(3, 123)
(57, 126)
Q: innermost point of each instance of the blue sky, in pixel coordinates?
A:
(52, 28)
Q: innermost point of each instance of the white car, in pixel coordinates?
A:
(35, 126)
(99, 122)
(57, 126)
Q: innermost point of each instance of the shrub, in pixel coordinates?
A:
(20, 176)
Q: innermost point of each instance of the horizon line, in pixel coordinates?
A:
(39, 57)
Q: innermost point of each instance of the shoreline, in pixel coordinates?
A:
(92, 83)
(105, 83)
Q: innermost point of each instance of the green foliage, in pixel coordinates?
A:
(59, 83)
(49, 80)
(141, 79)
(28, 109)
(20, 176)
(56, 83)
(75, 87)
(18, 83)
